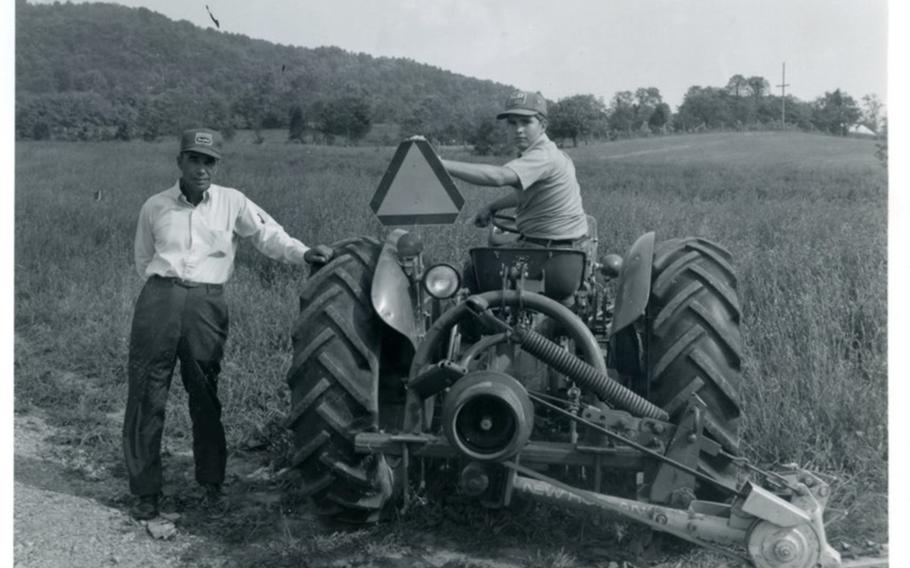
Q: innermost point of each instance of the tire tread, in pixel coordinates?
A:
(334, 378)
(693, 334)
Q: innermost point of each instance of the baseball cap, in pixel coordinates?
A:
(202, 140)
(524, 103)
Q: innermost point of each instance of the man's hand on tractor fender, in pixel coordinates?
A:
(483, 218)
(319, 254)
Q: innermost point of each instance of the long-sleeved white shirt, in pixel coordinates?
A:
(174, 238)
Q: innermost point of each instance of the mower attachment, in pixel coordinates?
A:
(775, 532)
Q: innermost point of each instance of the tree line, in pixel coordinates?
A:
(742, 104)
(102, 71)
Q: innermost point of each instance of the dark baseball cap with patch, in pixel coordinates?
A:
(203, 141)
(525, 103)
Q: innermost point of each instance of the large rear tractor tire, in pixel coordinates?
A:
(334, 378)
(692, 333)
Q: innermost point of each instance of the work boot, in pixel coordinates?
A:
(213, 500)
(212, 493)
(146, 508)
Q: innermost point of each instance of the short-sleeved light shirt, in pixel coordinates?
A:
(549, 204)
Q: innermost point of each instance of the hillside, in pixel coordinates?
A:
(796, 150)
(87, 67)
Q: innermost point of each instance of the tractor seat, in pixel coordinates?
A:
(554, 272)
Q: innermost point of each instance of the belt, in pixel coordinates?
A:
(552, 242)
(188, 283)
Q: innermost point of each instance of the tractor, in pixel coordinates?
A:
(605, 383)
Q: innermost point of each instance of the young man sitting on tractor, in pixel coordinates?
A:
(546, 195)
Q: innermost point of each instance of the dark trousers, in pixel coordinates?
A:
(172, 322)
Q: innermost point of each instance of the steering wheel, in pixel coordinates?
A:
(505, 223)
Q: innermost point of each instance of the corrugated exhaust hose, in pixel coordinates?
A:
(567, 363)
(585, 375)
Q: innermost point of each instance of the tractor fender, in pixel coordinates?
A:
(391, 293)
(634, 284)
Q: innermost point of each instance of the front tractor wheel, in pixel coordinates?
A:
(334, 378)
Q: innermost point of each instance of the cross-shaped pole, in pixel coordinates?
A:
(783, 98)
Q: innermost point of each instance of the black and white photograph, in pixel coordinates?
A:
(454, 284)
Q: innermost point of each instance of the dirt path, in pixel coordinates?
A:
(59, 523)
(71, 511)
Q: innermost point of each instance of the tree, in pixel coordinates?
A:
(41, 131)
(758, 86)
(871, 112)
(427, 117)
(559, 123)
(259, 103)
(660, 117)
(799, 113)
(622, 112)
(766, 111)
(704, 107)
(487, 138)
(297, 124)
(482, 138)
(347, 116)
(123, 132)
(835, 112)
(445, 118)
(737, 85)
(646, 101)
(576, 116)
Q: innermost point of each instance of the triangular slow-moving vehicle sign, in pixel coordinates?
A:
(416, 189)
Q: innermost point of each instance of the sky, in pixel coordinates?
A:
(598, 47)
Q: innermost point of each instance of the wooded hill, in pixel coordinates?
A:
(88, 71)
(101, 71)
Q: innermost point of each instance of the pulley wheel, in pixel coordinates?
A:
(772, 546)
(487, 416)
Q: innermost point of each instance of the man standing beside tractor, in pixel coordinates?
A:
(547, 198)
(186, 240)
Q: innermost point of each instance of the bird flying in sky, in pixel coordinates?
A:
(212, 16)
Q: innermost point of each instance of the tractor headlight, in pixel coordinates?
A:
(441, 281)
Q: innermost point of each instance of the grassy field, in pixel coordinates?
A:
(803, 215)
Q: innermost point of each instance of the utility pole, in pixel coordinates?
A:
(783, 97)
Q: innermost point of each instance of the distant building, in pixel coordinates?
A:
(861, 130)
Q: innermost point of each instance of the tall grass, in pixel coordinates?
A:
(804, 217)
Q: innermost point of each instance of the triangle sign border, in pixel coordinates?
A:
(435, 165)
(422, 219)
